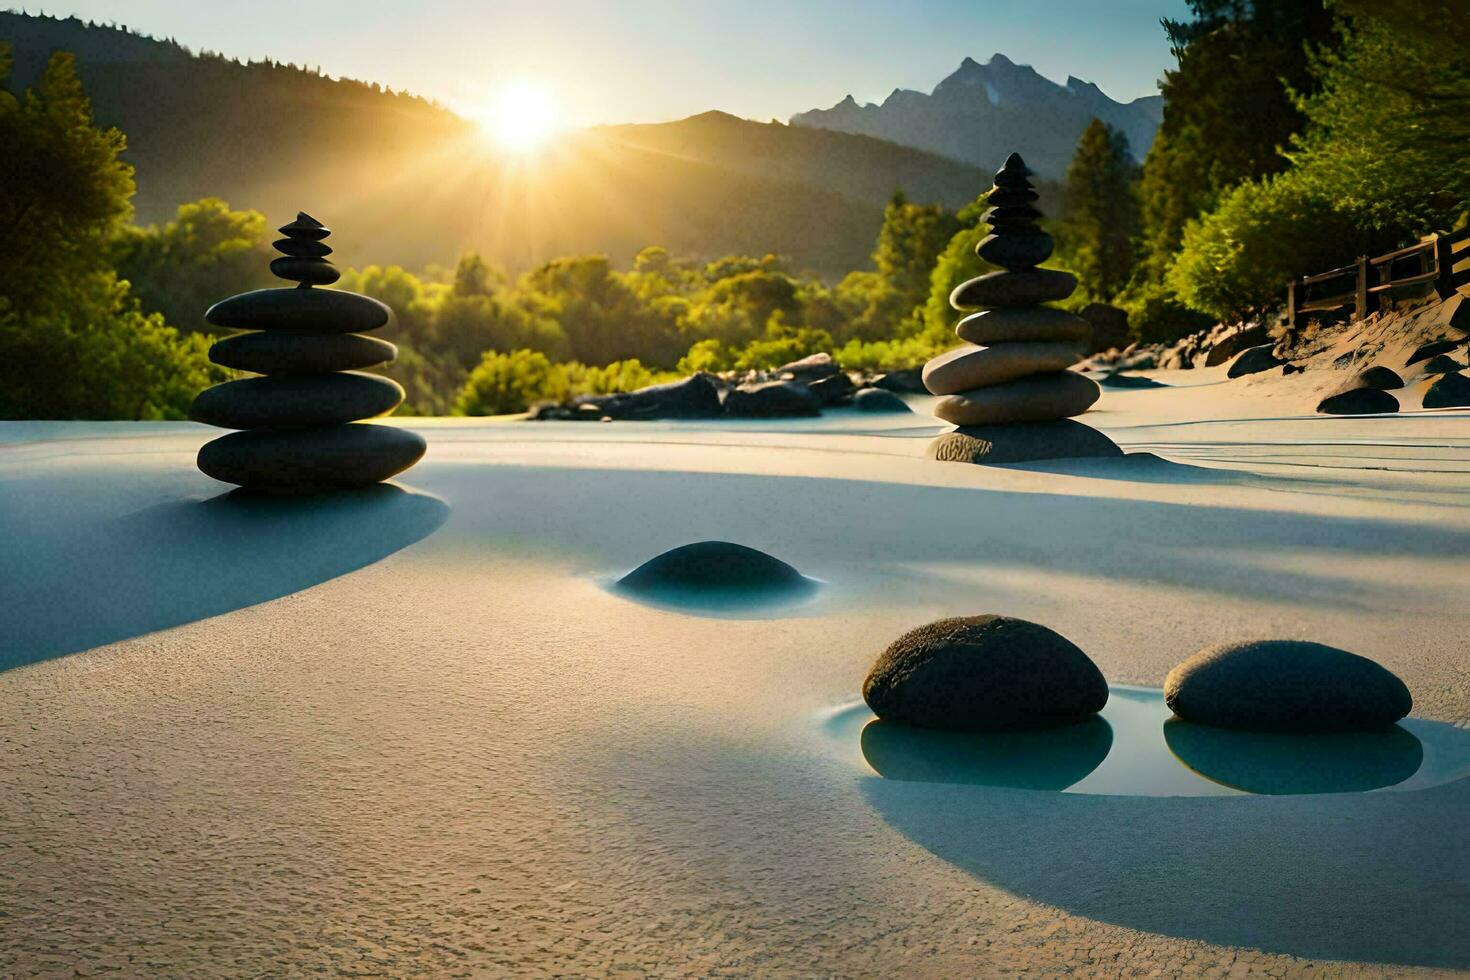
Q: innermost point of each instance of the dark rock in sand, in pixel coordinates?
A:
(774, 398)
(1285, 686)
(909, 381)
(1116, 380)
(311, 460)
(291, 401)
(273, 352)
(832, 389)
(1049, 759)
(716, 567)
(1448, 391)
(1253, 361)
(984, 673)
(1292, 369)
(1232, 344)
(694, 397)
(1289, 763)
(1359, 401)
(1426, 351)
(1378, 377)
(810, 367)
(1442, 364)
(879, 400)
(1025, 288)
(299, 310)
(1021, 442)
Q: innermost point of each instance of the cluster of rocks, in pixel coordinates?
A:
(298, 418)
(802, 388)
(1009, 389)
(997, 673)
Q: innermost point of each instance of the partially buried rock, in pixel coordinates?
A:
(1448, 391)
(810, 367)
(984, 673)
(1359, 401)
(1426, 351)
(1378, 377)
(833, 389)
(774, 398)
(1119, 380)
(1254, 360)
(718, 570)
(1285, 686)
(879, 400)
(1442, 364)
(694, 397)
(998, 445)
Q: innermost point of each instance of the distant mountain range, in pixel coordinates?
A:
(982, 113)
(404, 180)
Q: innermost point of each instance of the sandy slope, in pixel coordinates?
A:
(415, 734)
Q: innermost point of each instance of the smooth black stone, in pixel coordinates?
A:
(1013, 169)
(715, 566)
(306, 227)
(878, 400)
(300, 310)
(1015, 214)
(910, 381)
(1284, 764)
(1285, 686)
(1426, 351)
(984, 673)
(1448, 391)
(317, 272)
(1378, 377)
(1017, 251)
(832, 389)
(274, 352)
(302, 248)
(1010, 197)
(287, 401)
(1442, 364)
(1049, 759)
(775, 398)
(1254, 360)
(1022, 442)
(1030, 287)
(311, 460)
(1116, 380)
(695, 397)
(1359, 401)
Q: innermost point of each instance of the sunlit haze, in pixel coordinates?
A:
(519, 117)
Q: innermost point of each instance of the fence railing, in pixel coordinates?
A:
(1364, 285)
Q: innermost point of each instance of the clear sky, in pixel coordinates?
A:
(651, 60)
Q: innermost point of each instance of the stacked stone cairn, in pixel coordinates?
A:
(300, 421)
(1009, 389)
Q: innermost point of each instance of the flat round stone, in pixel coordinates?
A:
(311, 460)
(1285, 686)
(1024, 323)
(1038, 398)
(302, 248)
(302, 310)
(1022, 442)
(274, 352)
(1026, 288)
(984, 673)
(1020, 250)
(287, 401)
(318, 272)
(979, 367)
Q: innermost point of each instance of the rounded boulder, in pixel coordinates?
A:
(984, 673)
(1285, 686)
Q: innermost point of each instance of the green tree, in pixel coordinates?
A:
(1100, 220)
(73, 343)
(505, 383)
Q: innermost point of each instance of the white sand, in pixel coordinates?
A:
(418, 737)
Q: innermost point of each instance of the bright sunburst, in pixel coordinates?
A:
(520, 117)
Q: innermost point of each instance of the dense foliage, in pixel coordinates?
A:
(1100, 224)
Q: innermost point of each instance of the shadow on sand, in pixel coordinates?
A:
(89, 583)
(1358, 876)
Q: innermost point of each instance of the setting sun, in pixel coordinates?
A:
(521, 116)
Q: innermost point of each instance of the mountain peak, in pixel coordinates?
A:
(999, 60)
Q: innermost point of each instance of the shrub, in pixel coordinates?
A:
(512, 382)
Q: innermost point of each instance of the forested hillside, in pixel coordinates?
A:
(408, 182)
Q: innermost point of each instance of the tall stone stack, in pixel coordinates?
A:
(1008, 389)
(301, 420)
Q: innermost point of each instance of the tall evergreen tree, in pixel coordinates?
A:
(1100, 220)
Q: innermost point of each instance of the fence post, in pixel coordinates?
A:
(1444, 265)
(1360, 300)
(1291, 305)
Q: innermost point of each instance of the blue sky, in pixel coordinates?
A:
(650, 60)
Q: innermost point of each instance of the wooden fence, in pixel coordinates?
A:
(1367, 282)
